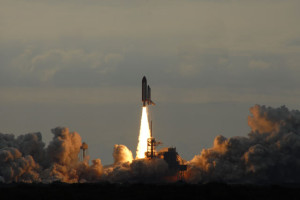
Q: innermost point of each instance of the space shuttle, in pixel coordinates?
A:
(146, 93)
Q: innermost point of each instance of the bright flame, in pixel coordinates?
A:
(144, 135)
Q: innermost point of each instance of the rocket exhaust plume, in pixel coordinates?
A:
(144, 135)
(144, 128)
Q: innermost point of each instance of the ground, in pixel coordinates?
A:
(147, 191)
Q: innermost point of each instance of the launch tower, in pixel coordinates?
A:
(83, 151)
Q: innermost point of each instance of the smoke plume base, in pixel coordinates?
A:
(269, 154)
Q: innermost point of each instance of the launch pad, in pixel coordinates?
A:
(170, 156)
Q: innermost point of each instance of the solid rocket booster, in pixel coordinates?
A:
(146, 93)
(144, 90)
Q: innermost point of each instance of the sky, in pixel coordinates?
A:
(79, 64)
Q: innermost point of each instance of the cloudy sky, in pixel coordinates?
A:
(80, 63)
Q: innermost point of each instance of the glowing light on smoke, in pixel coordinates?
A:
(144, 135)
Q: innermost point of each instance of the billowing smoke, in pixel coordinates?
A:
(122, 154)
(25, 159)
(270, 153)
(125, 169)
(140, 170)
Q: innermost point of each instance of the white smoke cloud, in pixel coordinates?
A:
(270, 153)
(122, 154)
(15, 167)
(24, 159)
(140, 170)
(65, 147)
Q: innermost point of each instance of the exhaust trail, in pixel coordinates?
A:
(144, 135)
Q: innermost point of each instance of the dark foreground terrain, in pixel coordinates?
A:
(147, 191)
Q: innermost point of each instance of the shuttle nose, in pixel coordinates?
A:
(144, 79)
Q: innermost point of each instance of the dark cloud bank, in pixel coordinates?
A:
(269, 154)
